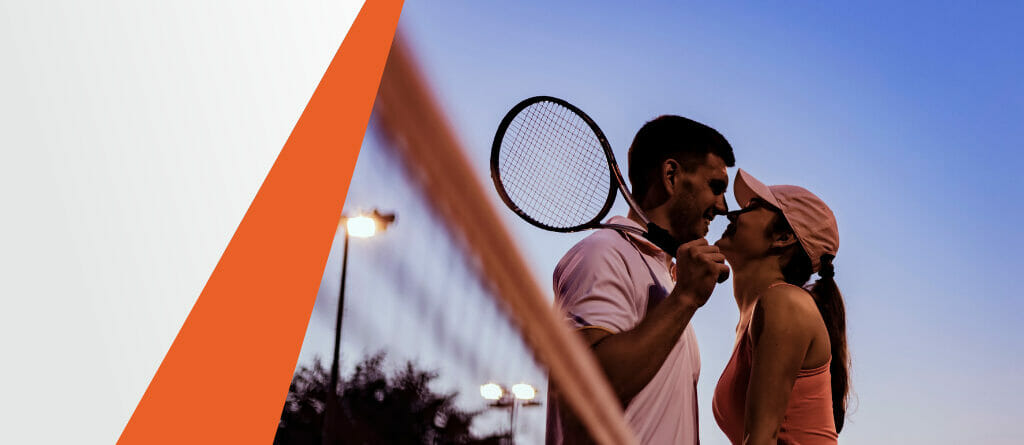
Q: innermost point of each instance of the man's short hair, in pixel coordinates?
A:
(676, 137)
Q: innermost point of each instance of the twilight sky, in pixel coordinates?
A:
(906, 120)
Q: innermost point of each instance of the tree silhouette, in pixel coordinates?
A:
(373, 408)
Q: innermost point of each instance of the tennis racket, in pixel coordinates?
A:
(553, 166)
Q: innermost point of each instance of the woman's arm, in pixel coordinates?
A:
(781, 336)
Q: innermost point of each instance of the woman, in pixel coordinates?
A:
(787, 379)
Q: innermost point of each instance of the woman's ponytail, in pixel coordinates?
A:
(833, 311)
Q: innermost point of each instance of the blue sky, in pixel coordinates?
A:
(905, 119)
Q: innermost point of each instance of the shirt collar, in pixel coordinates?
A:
(645, 245)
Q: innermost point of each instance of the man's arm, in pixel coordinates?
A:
(630, 359)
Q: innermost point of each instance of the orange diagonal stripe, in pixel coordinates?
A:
(226, 376)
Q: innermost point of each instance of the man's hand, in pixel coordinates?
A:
(630, 359)
(698, 266)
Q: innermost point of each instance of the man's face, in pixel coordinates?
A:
(698, 196)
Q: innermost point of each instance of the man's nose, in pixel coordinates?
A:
(722, 207)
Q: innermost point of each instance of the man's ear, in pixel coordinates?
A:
(670, 169)
(783, 240)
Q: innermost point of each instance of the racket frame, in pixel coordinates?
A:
(615, 175)
(654, 233)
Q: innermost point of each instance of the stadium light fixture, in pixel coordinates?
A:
(360, 226)
(367, 225)
(524, 391)
(521, 395)
(491, 391)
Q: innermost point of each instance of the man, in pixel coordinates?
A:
(617, 289)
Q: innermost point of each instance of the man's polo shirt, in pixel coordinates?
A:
(608, 281)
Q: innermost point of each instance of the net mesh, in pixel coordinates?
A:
(553, 167)
(445, 293)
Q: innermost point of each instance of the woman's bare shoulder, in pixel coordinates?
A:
(785, 307)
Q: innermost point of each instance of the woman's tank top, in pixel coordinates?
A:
(808, 419)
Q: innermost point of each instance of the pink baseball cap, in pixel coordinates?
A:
(812, 221)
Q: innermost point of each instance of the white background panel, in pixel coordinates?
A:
(134, 134)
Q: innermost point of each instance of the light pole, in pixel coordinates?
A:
(522, 394)
(359, 226)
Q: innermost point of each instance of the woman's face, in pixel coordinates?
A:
(749, 232)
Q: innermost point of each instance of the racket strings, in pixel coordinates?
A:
(540, 125)
(553, 166)
(572, 133)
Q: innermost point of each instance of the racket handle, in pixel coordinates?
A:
(723, 276)
(661, 238)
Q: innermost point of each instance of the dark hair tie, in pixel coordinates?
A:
(827, 270)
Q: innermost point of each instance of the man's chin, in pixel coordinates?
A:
(689, 236)
(695, 232)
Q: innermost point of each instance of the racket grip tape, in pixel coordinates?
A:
(661, 238)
